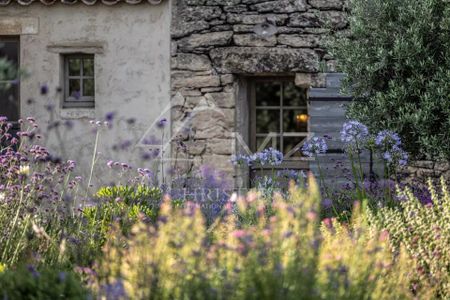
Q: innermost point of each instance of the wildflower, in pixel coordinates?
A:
(269, 156)
(315, 146)
(2, 197)
(24, 170)
(110, 163)
(395, 156)
(353, 132)
(110, 116)
(387, 139)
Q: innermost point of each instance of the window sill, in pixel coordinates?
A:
(77, 113)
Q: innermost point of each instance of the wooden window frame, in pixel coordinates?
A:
(290, 162)
(83, 101)
(15, 38)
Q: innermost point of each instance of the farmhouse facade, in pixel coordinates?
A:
(230, 76)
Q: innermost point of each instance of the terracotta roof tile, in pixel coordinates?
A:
(70, 2)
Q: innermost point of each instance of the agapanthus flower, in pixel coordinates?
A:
(315, 146)
(269, 156)
(395, 156)
(387, 139)
(354, 132)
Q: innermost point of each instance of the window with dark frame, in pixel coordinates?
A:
(79, 81)
(280, 109)
(9, 85)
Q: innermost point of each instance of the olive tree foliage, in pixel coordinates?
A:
(397, 57)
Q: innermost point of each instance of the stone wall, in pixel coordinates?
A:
(214, 45)
(418, 172)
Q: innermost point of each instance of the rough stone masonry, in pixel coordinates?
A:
(214, 43)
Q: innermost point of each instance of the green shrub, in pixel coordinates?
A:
(141, 194)
(397, 57)
(29, 283)
(284, 256)
(424, 231)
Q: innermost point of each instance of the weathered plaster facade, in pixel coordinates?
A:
(131, 44)
(215, 48)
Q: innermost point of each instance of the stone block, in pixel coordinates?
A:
(327, 4)
(264, 60)
(299, 40)
(303, 80)
(195, 81)
(224, 100)
(280, 6)
(256, 19)
(227, 79)
(221, 146)
(192, 62)
(205, 40)
(253, 40)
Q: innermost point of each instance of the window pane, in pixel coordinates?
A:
(290, 143)
(293, 95)
(10, 50)
(74, 66)
(88, 67)
(295, 120)
(267, 121)
(74, 88)
(88, 87)
(9, 103)
(268, 94)
(260, 141)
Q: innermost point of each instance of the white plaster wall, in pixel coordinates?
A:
(132, 72)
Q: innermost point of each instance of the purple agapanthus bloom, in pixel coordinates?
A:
(396, 155)
(354, 132)
(269, 156)
(387, 139)
(315, 146)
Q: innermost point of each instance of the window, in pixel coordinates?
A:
(79, 80)
(279, 117)
(9, 86)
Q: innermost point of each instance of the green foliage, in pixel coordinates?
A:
(424, 231)
(397, 57)
(8, 72)
(122, 205)
(288, 255)
(28, 283)
(140, 194)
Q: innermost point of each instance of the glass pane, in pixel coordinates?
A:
(88, 87)
(293, 95)
(74, 88)
(9, 103)
(88, 67)
(260, 141)
(74, 66)
(268, 93)
(295, 120)
(10, 50)
(290, 143)
(267, 121)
